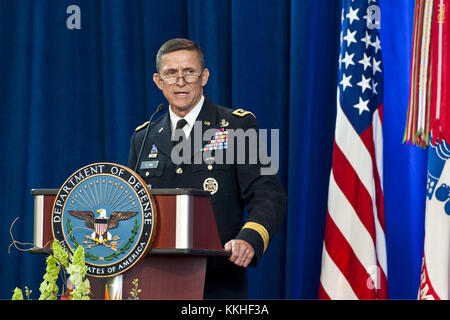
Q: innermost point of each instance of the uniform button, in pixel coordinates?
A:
(147, 174)
(179, 170)
(210, 167)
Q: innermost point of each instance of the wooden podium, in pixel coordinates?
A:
(175, 265)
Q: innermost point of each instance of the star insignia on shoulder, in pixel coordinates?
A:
(242, 113)
(142, 126)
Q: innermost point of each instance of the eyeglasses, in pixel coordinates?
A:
(187, 78)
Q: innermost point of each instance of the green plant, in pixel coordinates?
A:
(49, 288)
(28, 292)
(135, 291)
(17, 295)
(77, 270)
(75, 267)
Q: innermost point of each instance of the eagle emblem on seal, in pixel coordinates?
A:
(101, 226)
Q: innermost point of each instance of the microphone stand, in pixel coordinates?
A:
(160, 108)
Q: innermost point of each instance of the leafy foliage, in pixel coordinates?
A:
(17, 295)
(75, 267)
(77, 270)
(49, 288)
(61, 255)
(135, 291)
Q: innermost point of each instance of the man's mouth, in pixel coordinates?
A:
(181, 93)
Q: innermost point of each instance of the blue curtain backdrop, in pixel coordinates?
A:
(73, 97)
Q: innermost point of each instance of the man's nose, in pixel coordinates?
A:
(180, 82)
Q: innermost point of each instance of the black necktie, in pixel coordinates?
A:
(180, 125)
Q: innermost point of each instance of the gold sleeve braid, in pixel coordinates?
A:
(260, 229)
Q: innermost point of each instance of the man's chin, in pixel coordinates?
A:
(181, 108)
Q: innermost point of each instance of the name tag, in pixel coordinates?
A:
(149, 164)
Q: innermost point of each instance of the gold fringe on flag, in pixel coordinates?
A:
(429, 85)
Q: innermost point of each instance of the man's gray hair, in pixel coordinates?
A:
(179, 44)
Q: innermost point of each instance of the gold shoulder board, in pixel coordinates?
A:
(242, 113)
(142, 126)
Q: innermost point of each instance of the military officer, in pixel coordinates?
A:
(181, 75)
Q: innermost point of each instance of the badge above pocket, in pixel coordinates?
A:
(151, 168)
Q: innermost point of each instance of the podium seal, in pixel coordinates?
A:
(108, 210)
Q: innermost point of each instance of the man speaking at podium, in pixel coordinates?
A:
(181, 75)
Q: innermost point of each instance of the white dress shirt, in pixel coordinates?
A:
(190, 117)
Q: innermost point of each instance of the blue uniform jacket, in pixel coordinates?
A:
(232, 185)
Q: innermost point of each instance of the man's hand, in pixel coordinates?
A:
(241, 252)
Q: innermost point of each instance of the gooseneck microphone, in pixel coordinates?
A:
(160, 108)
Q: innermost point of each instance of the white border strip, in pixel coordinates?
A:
(184, 222)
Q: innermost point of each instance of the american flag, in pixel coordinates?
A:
(354, 262)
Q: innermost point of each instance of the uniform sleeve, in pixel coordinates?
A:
(132, 153)
(265, 198)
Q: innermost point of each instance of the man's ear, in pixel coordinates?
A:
(205, 77)
(157, 81)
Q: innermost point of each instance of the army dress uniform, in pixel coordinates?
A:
(232, 186)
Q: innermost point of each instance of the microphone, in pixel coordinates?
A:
(160, 108)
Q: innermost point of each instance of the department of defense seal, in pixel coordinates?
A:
(108, 210)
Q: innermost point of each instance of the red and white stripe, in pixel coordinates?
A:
(354, 263)
(101, 228)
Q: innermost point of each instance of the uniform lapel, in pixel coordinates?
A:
(208, 119)
(161, 135)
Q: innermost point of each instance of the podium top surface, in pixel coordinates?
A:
(174, 191)
(163, 251)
